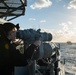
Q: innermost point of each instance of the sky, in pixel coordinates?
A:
(57, 17)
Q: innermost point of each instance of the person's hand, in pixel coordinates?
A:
(37, 43)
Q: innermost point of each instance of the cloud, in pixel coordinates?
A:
(61, 36)
(42, 21)
(72, 4)
(64, 27)
(39, 4)
(69, 22)
(65, 33)
(32, 19)
(74, 28)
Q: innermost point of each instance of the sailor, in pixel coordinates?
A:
(9, 56)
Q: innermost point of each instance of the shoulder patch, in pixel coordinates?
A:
(6, 46)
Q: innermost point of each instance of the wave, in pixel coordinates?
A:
(68, 52)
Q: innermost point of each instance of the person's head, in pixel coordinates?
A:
(10, 30)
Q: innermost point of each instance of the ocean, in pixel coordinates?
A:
(68, 56)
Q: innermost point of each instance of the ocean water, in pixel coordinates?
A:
(68, 56)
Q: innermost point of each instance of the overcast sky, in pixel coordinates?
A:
(55, 16)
